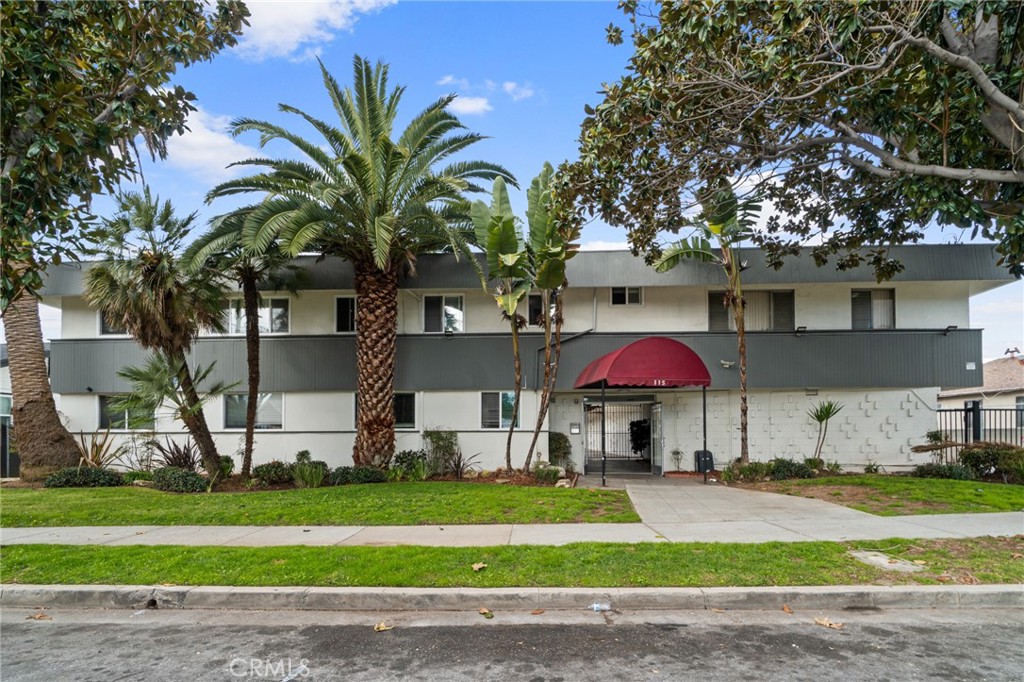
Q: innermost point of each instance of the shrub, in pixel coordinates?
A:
(559, 448)
(816, 463)
(369, 475)
(546, 474)
(177, 455)
(341, 476)
(458, 465)
(786, 468)
(227, 466)
(872, 467)
(957, 472)
(98, 451)
(274, 471)
(993, 458)
(84, 477)
(936, 437)
(406, 460)
(175, 480)
(441, 447)
(303, 456)
(310, 474)
(1011, 464)
(130, 477)
(833, 468)
(751, 471)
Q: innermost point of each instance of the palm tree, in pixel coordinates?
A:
(727, 221)
(44, 445)
(375, 201)
(146, 289)
(222, 248)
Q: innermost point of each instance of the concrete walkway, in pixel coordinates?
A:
(672, 510)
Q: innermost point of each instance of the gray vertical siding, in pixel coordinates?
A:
(821, 359)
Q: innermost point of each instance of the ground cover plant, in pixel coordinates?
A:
(370, 505)
(903, 495)
(962, 561)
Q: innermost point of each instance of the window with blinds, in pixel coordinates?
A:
(765, 311)
(272, 316)
(269, 411)
(443, 314)
(405, 410)
(345, 314)
(496, 410)
(873, 308)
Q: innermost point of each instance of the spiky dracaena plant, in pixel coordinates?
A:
(372, 199)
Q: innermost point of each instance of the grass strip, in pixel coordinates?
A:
(989, 560)
(903, 495)
(384, 504)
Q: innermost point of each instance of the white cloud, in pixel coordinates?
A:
(207, 148)
(599, 245)
(490, 85)
(298, 30)
(517, 91)
(459, 83)
(470, 105)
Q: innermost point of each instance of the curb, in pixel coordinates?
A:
(865, 597)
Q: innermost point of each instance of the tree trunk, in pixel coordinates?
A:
(195, 420)
(251, 298)
(734, 297)
(376, 337)
(550, 369)
(518, 391)
(44, 445)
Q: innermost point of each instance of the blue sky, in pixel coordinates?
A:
(523, 72)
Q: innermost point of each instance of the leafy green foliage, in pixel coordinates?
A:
(956, 472)
(986, 459)
(787, 468)
(130, 477)
(99, 450)
(274, 471)
(547, 474)
(359, 474)
(442, 445)
(861, 122)
(83, 477)
(175, 480)
(227, 466)
(176, 454)
(559, 448)
(310, 474)
(83, 83)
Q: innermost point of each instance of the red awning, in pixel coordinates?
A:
(652, 362)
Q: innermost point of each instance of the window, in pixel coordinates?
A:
(119, 419)
(107, 328)
(765, 311)
(443, 314)
(405, 410)
(535, 309)
(873, 308)
(273, 316)
(1020, 411)
(627, 296)
(345, 314)
(269, 411)
(496, 410)
(5, 405)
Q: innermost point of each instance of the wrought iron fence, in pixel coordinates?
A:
(972, 424)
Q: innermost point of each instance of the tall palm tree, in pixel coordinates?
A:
(373, 200)
(146, 289)
(223, 248)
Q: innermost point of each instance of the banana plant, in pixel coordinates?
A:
(726, 221)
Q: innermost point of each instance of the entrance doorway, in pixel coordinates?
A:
(632, 435)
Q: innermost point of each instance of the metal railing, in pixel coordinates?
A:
(974, 423)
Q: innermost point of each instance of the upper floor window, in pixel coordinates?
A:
(107, 328)
(496, 410)
(765, 311)
(273, 316)
(269, 410)
(627, 296)
(117, 418)
(443, 314)
(873, 308)
(345, 314)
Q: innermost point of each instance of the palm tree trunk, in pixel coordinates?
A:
(195, 420)
(44, 445)
(376, 338)
(550, 369)
(251, 298)
(737, 303)
(518, 391)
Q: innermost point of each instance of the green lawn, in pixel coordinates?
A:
(902, 495)
(381, 504)
(987, 560)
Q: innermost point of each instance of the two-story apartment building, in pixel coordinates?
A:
(882, 350)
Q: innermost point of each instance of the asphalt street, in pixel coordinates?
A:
(163, 646)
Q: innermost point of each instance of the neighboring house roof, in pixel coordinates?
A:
(1005, 375)
(922, 263)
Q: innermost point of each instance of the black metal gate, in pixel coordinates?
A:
(627, 435)
(974, 423)
(10, 463)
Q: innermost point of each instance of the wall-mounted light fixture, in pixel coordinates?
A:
(88, 389)
(449, 334)
(949, 329)
(726, 364)
(800, 331)
(810, 391)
